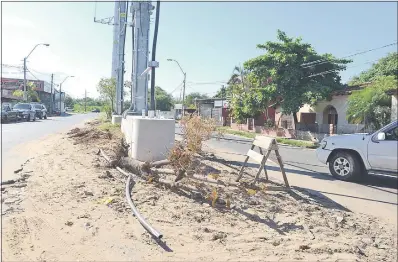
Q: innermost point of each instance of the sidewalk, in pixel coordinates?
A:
(337, 191)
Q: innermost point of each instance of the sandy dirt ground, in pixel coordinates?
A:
(69, 205)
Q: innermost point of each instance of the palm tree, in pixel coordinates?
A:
(238, 76)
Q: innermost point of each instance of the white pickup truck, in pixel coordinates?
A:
(352, 156)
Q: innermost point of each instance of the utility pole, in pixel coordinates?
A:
(121, 39)
(24, 70)
(24, 80)
(154, 42)
(141, 12)
(85, 100)
(60, 95)
(119, 23)
(60, 99)
(183, 94)
(51, 99)
(183, 88)
(222, 102)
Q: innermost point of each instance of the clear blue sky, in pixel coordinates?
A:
(208, 39)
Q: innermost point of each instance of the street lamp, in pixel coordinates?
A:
(60, 94)
(183, 90)
(24, 70)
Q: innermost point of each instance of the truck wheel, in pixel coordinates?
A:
(345, 166)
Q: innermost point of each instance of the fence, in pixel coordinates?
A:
(309, 132)
(215, 113)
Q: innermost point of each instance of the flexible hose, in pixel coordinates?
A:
(137, 214)
(143, 222)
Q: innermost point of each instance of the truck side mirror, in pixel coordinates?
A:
(381, 136)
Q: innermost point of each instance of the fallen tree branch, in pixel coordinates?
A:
(160, 163)
(111, 162)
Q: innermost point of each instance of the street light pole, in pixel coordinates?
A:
(24, 70)
(60, 94)
(183, 90)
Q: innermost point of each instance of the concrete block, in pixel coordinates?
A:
(150, 139)
(116, 119)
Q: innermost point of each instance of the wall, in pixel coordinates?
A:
(394, 107)
(283, 121)
(45, 98)
(340, 103)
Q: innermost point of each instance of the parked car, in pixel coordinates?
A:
(96, 110)
(7, 114)
(25, 111)
(352, 156)
(41, 110)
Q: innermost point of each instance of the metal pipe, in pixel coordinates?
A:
(143, 222)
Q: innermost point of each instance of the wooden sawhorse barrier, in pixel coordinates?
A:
(268, 144)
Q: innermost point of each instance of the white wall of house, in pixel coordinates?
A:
(340, 103)
(394, 107)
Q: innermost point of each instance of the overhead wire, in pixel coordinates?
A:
(334, 70)
(175, 89)
(323, 61)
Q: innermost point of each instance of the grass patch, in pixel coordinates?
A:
(298, 143)
(281, 140)
(109, 127)
(80, 108)
(227, 130)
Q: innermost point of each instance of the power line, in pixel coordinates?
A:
(175, 89)
(33, 74)
(334, 70)
(12, 66)
(323, 61)
(208, 83)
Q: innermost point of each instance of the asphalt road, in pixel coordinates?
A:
(14, 134)
(375, 195)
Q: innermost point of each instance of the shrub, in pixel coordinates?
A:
(195, 130)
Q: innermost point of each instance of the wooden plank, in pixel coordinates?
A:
(243, 166)
(265, 142)
(259, 171)
(241, 170)
(265, 160)
(255, 156)
(278, 156)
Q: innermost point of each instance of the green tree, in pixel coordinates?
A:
(371, 105)
(163, 100)
(107, 90)
(294, 71)
(69, 101)
(190, 99)
(386, 66)
(31, 93)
